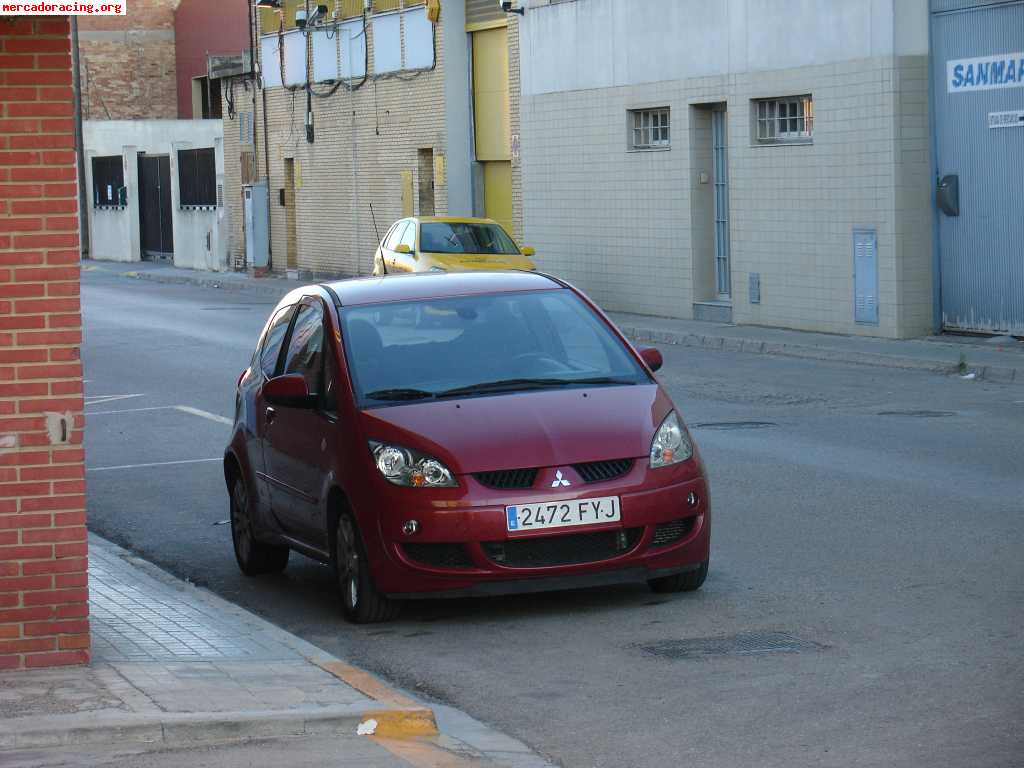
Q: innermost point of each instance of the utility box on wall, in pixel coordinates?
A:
(257, 240)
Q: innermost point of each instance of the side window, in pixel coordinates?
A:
(393, 239)
(305, 349)
(271, 348)
(409, 237)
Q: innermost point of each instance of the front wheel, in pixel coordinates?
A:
(361, 603)
(680, 582)
(254, 557)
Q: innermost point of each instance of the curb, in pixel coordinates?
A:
(993, 373)
(275, 291)
(189, 729)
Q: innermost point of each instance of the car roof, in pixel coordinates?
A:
(451, 220)
(437, 285)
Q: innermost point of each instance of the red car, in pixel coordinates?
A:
(471, 433)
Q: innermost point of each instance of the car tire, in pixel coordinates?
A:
(688, 581)
(361, 603)
(254, 557)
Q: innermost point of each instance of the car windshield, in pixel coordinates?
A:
(460, 237)
(478, 345)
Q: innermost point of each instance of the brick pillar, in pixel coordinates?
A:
(43, 581)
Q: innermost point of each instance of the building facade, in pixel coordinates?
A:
(769, 163)
(402, 105)
(44, 609)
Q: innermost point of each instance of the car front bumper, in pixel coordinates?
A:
(663, 530)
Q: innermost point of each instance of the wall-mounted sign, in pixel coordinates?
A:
(1012, 119)
(983, 73)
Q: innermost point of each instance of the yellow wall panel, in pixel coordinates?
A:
(498, 193)
(490, 95)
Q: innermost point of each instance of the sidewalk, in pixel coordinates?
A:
(175, 667)
(999, 360)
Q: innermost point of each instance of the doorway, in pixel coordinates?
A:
(492, 122)
(720, 162)
(709, 212)
(289, 213)
(426, 177)
(156, 234)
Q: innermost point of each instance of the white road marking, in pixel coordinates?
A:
(99, 399)
(130, 410)
(204, 414)
(151, 464)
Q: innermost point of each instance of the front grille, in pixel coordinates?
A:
(672, 531)
(439, 555)
(504, 479)
(573, 549)
(598, 471)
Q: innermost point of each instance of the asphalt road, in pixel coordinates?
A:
(868, 521)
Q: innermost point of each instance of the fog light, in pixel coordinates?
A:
(621, 541)
(410, 527)
(693, 500)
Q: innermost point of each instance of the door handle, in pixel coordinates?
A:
(271, 415)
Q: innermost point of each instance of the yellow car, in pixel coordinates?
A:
(421, 244)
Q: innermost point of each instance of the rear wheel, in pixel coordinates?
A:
(680, 582)
(254, 557)
(360, 601)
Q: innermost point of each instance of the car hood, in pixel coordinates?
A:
(455, 261)
(526, 429)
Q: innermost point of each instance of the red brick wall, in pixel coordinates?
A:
(43, 581)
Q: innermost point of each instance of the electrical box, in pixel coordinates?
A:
(256, 211)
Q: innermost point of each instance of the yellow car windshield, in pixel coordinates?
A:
(465, 237)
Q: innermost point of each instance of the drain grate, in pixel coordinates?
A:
(742, 644)
(735, 425)
(919, 414)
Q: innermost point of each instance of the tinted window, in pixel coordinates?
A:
(306, 346)
(457, 237)
(393, 237)
(271, 348)
(440, 344)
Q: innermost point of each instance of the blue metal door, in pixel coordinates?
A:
(978, 93)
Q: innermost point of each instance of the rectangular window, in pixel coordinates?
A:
(108, 190)
(197, 178)
(649, 128)
(788, 120)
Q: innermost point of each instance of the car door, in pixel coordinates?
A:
(268, 358)
(300, 440)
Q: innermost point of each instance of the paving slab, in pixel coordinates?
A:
(176, 665)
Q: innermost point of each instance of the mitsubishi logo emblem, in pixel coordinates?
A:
(560, 481)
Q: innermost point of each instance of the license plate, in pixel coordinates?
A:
(562, 514)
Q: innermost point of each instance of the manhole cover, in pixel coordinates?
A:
(735, 425)
(742, 644)
(919, 414)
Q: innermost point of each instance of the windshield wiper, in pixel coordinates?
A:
(514, 385)
(399, 394)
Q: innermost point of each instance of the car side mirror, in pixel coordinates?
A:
(402, 248)
(652, 357)
(528, 250)
(289, 391)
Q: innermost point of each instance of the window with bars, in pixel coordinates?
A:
(108, 190)
(788, 120)
(197, 178)
(649, 128)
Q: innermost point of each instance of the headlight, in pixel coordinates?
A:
(671, 444)
(406, 467)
